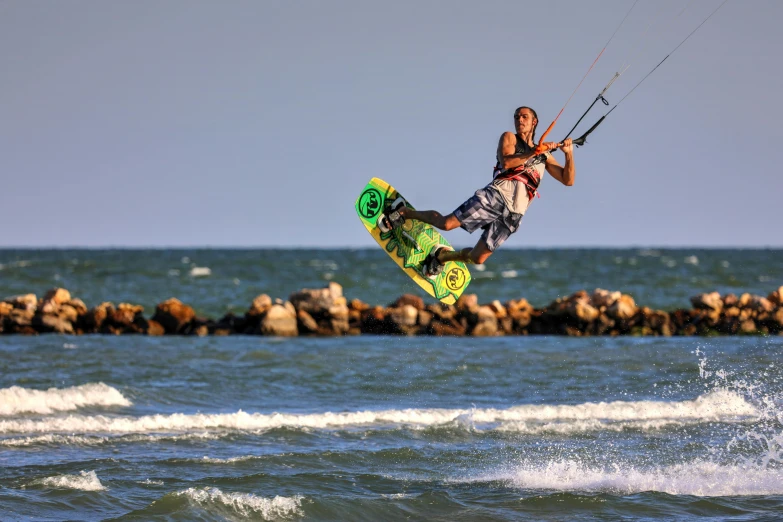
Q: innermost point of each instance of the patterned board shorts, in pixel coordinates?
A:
(487, 210)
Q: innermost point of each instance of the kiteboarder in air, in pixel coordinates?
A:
(498, 208)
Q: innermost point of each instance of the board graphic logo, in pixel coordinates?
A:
(455, 279)
(370, 203)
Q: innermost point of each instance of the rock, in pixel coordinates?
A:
(409, 299)
(748, 327)
(777, 317)
(486, 324)
(711, 301)
(467, 302)
(52, 323)
(374, 321)
(776, 297)
(602, 325)
(338, 319)
(449, 327)
(705, 319)
(498, 309)
(68, 313)
(78, 305)
(306, 323)
(155, 328)
(201, 330)
(318, 301)
(520, 318)
(18, 318)
(425, 318)
(556, 307)
(260, 305)
(232, 323)
(572, 331)
(358, 305)
(5, 308)
(279, 321)
(583, 311)
(327, 306)
(603, 298)
(93, 320)
(658, 321)
(23, 302)
(126, 313)
(624, 308)
(23, 330)
(760, 304)
(51, 301)
(730, 300)
(519, 304)
(405, 316)
(442, 312)
(173, 315)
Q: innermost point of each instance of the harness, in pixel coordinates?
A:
(525, 173)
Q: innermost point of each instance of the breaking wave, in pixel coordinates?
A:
(16, 400)
(245, 504)
(717, 406)
(698, 478)
(85, 481)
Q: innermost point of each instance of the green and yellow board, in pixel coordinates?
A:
(410, 244)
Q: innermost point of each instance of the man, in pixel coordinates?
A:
(497, 208)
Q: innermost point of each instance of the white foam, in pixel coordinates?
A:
(16, 400)
(57, 440)
(231, 460)
(397, 496)
(85, 481)
(717, 406)
(246, 504)
(698, 478)
(78, 440)
(508, 274)
(691, 260)
(200, 271)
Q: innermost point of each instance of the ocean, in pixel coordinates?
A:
(104, 427)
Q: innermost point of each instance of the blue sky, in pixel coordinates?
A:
(257, 123)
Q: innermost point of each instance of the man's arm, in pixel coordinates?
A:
(567, 173)
(506, 152)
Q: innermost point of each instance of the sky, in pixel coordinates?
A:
(257, 123)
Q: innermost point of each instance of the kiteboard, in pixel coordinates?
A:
(409, 244)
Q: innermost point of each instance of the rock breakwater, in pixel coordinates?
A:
(327, 312)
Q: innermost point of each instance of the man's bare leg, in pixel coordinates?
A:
(476, 255)
(431, 217)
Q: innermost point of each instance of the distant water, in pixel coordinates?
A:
(218, 281)
(388, 428)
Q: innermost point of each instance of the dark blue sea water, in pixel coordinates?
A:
(388, 428)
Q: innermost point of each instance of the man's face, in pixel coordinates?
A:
(524, 121)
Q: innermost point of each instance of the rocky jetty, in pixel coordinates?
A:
(327, 312)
